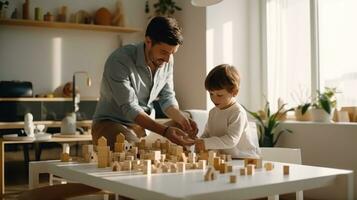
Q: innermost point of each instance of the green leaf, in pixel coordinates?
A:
(304, 108)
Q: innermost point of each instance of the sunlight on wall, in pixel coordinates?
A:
(56, 62)
(228, 42)
(209, 59)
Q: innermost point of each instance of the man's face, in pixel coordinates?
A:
(159, 53)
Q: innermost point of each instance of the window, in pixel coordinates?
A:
(289, 70)
(288, 51)
(337, 43)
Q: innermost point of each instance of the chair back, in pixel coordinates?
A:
(278, 154)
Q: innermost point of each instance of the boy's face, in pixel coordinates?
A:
(222, 98)
(159, 53)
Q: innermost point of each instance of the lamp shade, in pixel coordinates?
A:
(204, 3)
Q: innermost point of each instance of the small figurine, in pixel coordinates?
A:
(29, 125)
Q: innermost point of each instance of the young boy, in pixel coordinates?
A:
(227, 126)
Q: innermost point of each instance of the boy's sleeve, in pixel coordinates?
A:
(229, 140)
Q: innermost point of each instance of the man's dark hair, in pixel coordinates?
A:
(164, 29)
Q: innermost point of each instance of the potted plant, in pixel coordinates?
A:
(302, 98)
(302, 112)
(3, 5)
(323, 105)
(163, 7)
(268, 125)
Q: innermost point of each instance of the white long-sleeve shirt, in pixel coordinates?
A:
(228, 130)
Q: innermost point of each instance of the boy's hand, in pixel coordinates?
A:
(199, 145)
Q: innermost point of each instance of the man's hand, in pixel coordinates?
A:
(189, 126)
(179, 137)
(199, 145)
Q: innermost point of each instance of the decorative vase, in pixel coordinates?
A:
(103, 17)
(320, 115)
(302, 117)
(68, 126)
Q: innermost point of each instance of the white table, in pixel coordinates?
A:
(191, 185)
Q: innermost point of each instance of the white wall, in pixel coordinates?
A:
(190, 60)
(324, 144)
(48, 57)
(234, 38)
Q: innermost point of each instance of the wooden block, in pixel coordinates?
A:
(214, 176)
(173, 168)
(211, 156)
(223, 168)
(147, 167)
(102, 141)
(156, 155)
(65, 157)
(253, 161)
(208, 174)
(120, 138)
(116, 166)
(268, 166)
(203, 155)
(202, 164)
(232, 179)
(183, 157)
(217, 163)
(229, 168)
(165, 168)
(192, 157)
(229, 158)
(119, 147)
(163, 157)
(87, 148)
(181, 167)
(286, 169)
(131, 158)
(250, 169)
(179, 151)
(243, 171)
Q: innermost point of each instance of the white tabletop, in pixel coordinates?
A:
(191, 185)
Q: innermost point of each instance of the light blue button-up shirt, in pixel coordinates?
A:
(128, 88)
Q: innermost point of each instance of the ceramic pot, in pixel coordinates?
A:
(302, 117)
(103, 17)
(320, 115)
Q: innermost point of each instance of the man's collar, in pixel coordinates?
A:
(140, 56)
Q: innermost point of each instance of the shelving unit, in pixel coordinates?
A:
(67, 25)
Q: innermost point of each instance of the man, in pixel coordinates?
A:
(136, 75)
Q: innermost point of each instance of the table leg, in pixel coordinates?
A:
(2, 174)
(38, 151)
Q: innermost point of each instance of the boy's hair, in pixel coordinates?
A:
(164, 29)
(223, 77)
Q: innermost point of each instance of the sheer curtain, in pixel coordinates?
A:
(288, 51)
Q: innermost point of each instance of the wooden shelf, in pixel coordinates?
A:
(62, 25)
(47, 99)
(15, 125)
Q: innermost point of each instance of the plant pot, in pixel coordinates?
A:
(267, 142)
(302, 117)
(320, 115)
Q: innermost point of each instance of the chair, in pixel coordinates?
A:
(286, 155)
